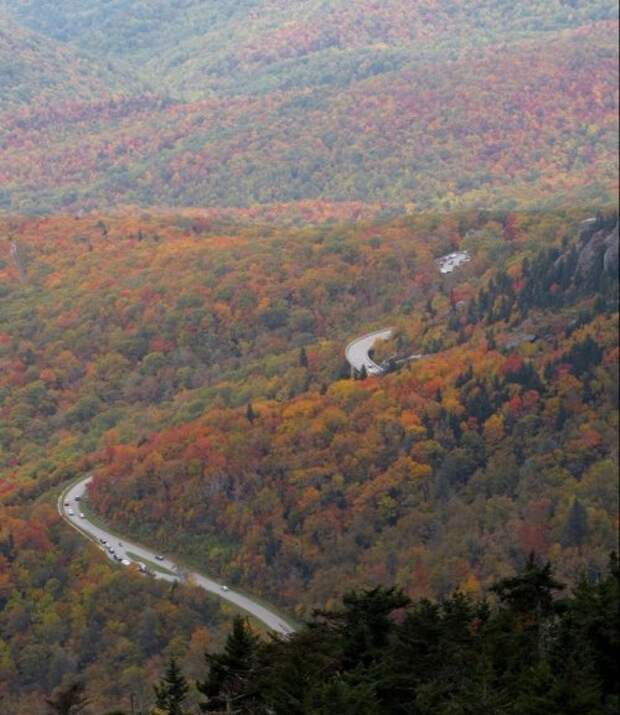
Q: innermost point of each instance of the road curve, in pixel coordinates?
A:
(70, 500)
(356, 351)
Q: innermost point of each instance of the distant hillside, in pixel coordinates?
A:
(425, 105)
(444, 475)
(131, 346)
(38, 72)
(198, 46)
(523, 125)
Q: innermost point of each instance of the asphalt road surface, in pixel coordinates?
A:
(70, 501)
(357, 351)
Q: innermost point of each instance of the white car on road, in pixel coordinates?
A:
(105, 540)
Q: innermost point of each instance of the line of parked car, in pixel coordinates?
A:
(124, 561)
(108, 547)
(117, 557)
(70, 511)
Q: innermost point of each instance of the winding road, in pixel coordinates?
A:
(356, 351)
(70, 501)
(127, 552)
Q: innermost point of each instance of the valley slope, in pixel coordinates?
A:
(401, 104)
(218, 424)
(202, 203)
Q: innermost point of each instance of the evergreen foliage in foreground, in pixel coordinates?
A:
(534, 651)
(172, 691)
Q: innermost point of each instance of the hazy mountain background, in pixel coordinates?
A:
(201, 204)
(217, 103)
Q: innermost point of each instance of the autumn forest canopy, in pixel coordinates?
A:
(201, 205)
(431, 103)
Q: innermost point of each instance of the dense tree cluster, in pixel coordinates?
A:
(528, 653)
(259, 46)
(65, 611)
(531, 650)
(196, 367)
(431, 104)
(114, 323)
(438, 476)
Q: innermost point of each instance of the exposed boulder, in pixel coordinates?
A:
(598, 249)
(611, 263)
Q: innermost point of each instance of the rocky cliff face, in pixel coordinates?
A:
(610, 259)
(598, 247)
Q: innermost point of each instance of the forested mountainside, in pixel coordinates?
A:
(65, 610)
(282, 102)
(196, 368)
(501, 441)
(38, 72)
(534, 649)
(257, 45)
(120, 323)
(202, 202)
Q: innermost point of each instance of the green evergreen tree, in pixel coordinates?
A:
(366, 622)
(229, 684)
(591, 627)
(530, 591)
(528, 616)
(303, 358)
(172, 690)
(339, 696)
(541, 691)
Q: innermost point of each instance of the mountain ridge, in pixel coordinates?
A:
(277, 102)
